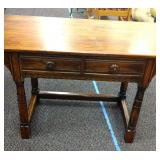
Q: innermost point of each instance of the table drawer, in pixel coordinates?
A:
(114, 66)
(50, 64)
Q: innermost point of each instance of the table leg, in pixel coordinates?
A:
(23, 111)
(123, 89)
(34, 84)
(35, 89)
(131, 128)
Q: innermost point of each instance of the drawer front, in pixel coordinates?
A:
(50, 64)
(114, 66)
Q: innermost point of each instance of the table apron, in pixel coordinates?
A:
(82, 76)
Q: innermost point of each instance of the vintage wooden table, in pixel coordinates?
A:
(80, 49)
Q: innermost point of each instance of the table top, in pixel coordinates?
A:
(78, 36)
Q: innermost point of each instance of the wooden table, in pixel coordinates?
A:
(80, 49)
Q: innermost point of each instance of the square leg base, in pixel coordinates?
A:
(25, 131)
(129, 136)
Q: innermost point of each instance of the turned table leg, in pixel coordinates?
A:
(23, 111)
(131, 128)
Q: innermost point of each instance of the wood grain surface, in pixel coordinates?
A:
(74, 36)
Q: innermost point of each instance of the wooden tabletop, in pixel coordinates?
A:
(78, 36)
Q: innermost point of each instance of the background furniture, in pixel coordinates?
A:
(144, 14)
(121, 13)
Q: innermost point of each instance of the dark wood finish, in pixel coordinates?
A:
(80, 76)
(50, 64)
(114, 66)
(22, 105)
(78, 96)
(34, 83)
(123, 90)
(23, 112)
(81, 50)
(131, 128)
(91, 66)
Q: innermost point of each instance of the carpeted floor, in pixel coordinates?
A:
(75, 125)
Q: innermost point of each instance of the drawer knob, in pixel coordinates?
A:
(114, 68)
(51, 65)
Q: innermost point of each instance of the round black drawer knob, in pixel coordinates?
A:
(114, 68)
(51, 66)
